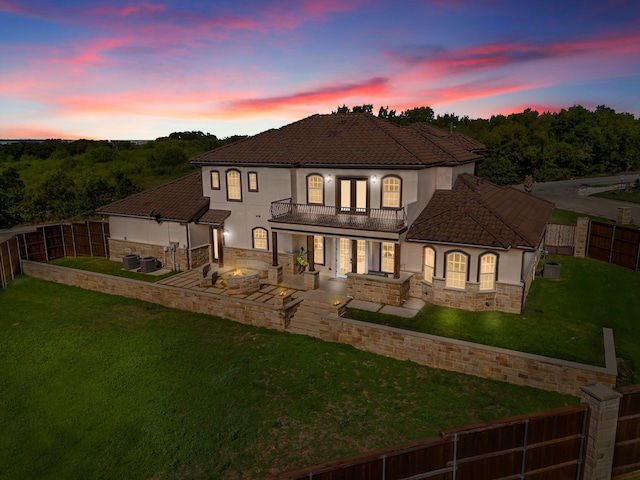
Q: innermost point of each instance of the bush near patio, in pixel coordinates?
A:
(562, 318)
(99, 386)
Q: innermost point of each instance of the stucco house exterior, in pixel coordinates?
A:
(394, 210)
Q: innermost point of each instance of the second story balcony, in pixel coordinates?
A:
(372, 219)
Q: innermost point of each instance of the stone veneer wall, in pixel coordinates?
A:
(373, 288)
(242, 257)
(199, 256)
(121, 248)
(474, 359)
(236, 309)
(505, 297)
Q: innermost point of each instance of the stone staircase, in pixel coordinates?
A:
(315, 304)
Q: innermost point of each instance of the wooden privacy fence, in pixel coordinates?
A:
(549, 445)
(560, 239)
(626, 454)
(77, 239)
(614, 244)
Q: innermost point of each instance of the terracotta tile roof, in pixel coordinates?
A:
(341, 140)
(214, 217)
(460, 139)
(477, 212)
(180, 200)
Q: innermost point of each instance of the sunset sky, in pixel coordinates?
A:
(143, 69)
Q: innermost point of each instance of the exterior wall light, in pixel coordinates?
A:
(329, 178)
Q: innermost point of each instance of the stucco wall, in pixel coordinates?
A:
(148, 231)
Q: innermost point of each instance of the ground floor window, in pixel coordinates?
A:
(488, 271)
(456, 270)
(429, 264)
(260, 240)
(318, 250)
(387, 261)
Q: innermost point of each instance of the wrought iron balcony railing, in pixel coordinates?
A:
(374, 219)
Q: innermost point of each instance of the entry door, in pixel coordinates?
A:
(345, 259)
(353, 195)
(215, 244)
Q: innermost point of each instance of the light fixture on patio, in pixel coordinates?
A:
(329, 178)
(374, 179)
(283, 293)
(336, 303)
(225, 232)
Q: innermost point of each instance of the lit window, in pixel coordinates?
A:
(391, 187)
(429, 264)
(253, 182)
(388, 257)
(487, 271)
(260, 241)
(215, 180)
(234, 186)
(318, 250)
(315, 189)
(456, 270)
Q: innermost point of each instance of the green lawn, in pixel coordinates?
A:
(99, 386)
(633, 196)
(104, 265)
(562, 318)
(567, 217)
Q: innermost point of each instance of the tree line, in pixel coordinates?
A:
(574, 142)
(55, 180)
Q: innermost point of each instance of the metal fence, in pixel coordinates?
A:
(549, 445)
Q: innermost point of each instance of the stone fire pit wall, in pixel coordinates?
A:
(245, 282)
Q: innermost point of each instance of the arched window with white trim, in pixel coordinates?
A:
(315, 189)
(234, 186)
(391, 192)
(429, 264)
(260, 239)
(488, 268)
(457, 265)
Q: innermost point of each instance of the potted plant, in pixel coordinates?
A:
(300, 263)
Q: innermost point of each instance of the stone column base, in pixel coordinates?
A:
(311, 280)
(275, 275)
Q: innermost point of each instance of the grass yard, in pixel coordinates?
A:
(109, 267)
(562, 319)
(97, 386)
(633, 196)
(567, 217)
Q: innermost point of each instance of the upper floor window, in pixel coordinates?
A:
(429, 264)
(215, 180)
(456, 270)
(234, 186)
(315, 189)
(391, 192)
(253, 182)
(488, 264)
(260, 239)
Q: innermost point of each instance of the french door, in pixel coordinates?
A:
(353, 195)
(345, 256)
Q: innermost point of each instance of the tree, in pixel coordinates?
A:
(167, 158)
(11, 194)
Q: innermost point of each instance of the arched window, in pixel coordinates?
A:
(488, 264)
(315, 189)
(456, 270)
(234, 186)
(260, 239)
(429, 264)
(391, 192)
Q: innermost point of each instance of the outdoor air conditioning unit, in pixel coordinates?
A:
(147, 264)
(130, 262)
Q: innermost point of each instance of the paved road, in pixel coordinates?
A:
(566, 195)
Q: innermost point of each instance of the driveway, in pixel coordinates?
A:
(573, 195)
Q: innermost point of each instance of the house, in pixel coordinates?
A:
(395, 210)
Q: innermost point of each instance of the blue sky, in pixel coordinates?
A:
(140, 70)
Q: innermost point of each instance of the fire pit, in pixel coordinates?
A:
(243, 281)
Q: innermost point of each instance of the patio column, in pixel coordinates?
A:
(211, 247)
(354, 256)
(220, 231)
(274, 249)
(310, 254)
(396, 260)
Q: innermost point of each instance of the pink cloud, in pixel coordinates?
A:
(326, 95)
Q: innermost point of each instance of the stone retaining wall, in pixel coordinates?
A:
(464, 357)
(373, 288)
(236, 309)
(505, 297)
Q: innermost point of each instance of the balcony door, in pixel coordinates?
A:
(353, 195)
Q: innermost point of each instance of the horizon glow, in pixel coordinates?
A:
(131, 70)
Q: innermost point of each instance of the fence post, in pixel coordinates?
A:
(582, 234)
(2, 274)
(604, 404)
